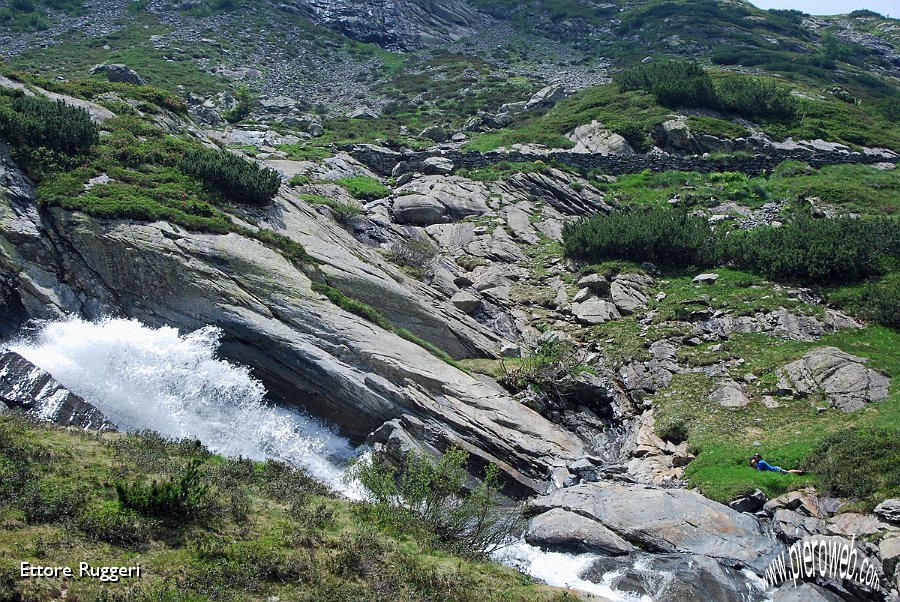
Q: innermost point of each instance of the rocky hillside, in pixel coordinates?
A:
(498, 228)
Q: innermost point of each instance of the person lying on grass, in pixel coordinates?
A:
(759, 464)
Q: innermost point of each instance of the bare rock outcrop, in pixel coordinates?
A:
(841, 377)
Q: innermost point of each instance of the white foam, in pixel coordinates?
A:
(173, 383)
(562, 570)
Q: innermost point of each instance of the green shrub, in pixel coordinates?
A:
(231, 175)
(110, 523)
(660, 235)
(241, 110)
(174, 500)
(673, 83)
(36, 122)
(859, 462)
(881, 300)
(817, 250)
(364, 188)
(543, 368)
(755, 97)
(430, 495)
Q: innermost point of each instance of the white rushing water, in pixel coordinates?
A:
(173, 383)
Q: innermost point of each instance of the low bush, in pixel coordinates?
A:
(231, 175)
(881, 300)
(174, 500)
(543, 368)
(673, 83)
(36, 122)
(430, 495)
(817, 250)
(755, 98)
(807, 250)
(109, 522)
(664, 236)
(859, 462)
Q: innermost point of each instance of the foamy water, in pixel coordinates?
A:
(175, 384)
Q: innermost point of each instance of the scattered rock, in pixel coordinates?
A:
(596, 283)
(729, 394)
(545, 98)
(749, 503)
(595, 311)
(889, 510)
(706, 278)
(465, 302)
(438, 165)
(418, 210)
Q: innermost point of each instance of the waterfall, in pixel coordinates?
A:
(173, 383)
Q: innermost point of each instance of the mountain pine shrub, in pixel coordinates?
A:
(664, 236)
(231, 175)
(32, 122)
(674, 83)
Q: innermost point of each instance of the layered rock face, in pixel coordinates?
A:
(26, 387)
(306, 350)
(406, 24)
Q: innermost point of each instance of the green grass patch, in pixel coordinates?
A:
(364, 188)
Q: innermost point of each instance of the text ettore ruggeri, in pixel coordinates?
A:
(85, 570)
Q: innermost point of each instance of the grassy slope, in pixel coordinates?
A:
(270, 530)
(725, 437)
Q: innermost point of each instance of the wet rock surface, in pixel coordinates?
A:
(26, 387)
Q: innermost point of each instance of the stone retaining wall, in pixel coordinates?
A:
(383, 160)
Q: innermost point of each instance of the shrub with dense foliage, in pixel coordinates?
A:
(674, 83)
(817, 250)
(860, 462)
(810, 250)
(664, 236)
(429, 497)
(685, 84)
(36, 122)
(231, 175)
(754, 97)
(174, 500)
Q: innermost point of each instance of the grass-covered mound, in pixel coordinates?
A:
(242, 530)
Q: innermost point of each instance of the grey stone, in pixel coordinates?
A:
(465, 302)
(843, 378)
(668, 520)
(559, 530)
(889, 550)
(26, 387)
(595, 138)
(804, 592)
(418, 210)
(628, 296)
(545, 98)
(749, 503)
(119, 73)
(438, 165)
(435, 133)
(595, 311)
(889, 510)
(706, 278)
(596, 283)
(729, 394)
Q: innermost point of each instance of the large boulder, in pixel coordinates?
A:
(119, 73)
(461, 197)
(668, 521)
(889, 510)
(841, 377)
(595, 311)
(595, 138)
(545, 98)
(563, 531)
(418, 210)
(26, 387)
